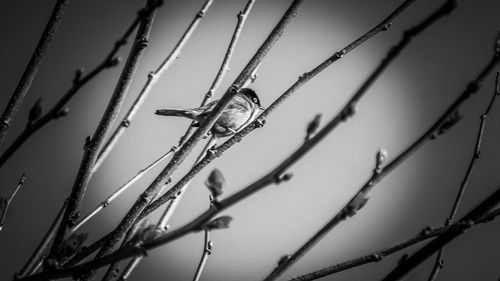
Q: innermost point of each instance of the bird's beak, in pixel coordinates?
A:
(261, 107)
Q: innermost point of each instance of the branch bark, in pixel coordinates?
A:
(153, 76)
(58, 110)
(94, 144)
(29, 74)
(439, 263)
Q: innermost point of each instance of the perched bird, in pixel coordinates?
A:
(240, 111)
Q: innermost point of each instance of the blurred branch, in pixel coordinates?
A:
(207, 250)
(5, 203)
(93, 145)
(476, 214)
(36, 257)
(439, 263)
(377, 256)
(79, 81)
(28, 76)
(153, 77)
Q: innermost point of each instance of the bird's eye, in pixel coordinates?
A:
(255, 100)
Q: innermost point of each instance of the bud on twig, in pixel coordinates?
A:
(220, 223)
(215, 182)
(381, 158)
(454, 118)
(313, 126)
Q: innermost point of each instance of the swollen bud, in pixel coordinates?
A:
(215, 182)
(381, 158)
(454, 118)
(313, 126)
(220, 223)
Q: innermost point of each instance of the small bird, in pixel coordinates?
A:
(240, 112)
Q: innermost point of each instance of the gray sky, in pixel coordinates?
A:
(399, 107)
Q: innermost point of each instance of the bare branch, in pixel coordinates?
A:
(120, 190)
(224, 68)
(4, 205)
(94, 144)
(377, 256)
(153, 76)
(207, 250)
(79, 81)
(439, 263)
(477, 214)
(28, 76)
(36, 257)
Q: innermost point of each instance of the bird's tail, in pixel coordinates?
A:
(177, 112)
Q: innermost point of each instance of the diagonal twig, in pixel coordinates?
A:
(36, 257)
(378, 255)
(153, 77)
(28, 76)
(93, 145)
(439, 263)
(476, 214)
(79, 81)
(5, 204)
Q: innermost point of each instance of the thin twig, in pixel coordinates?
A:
(150, 193)
(475, 215)
(28, 76)
(378, 255)
(207, 250)
(4, 206)
(120, 190)
(153, 77)
(224, 68)
(439, 263)
(79, 81)
(242, 16)
(130, 267)
(94, 144)
(37, 256)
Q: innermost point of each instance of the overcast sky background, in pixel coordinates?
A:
(399, 107)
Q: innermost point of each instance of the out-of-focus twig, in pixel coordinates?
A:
(36, 258)
(5, 203)
(377, 256)
(207, 250)
(439, 263)
(28, 76)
